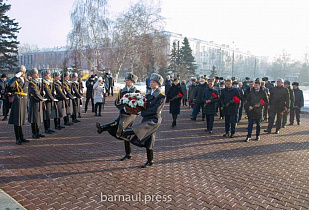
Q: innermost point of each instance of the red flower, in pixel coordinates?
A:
(262, 102)
(126, 95)
(130, 98)
(214, 95)
(144, 99)
(145, 104)
(180, 94)
(134, 98)
(236, 100)
(192, 105)
(133, 102)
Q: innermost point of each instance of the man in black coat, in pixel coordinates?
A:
(298, 103)
(3, 96)
(174, 96)
(291, 93)
(89, 93)
(110, 85)
(210, 98)
(124, 119)
(168, 85)
(197, 99)
(246, 94)
(256, 100)
(144, 134)
(35, 115)
(19, 88)
(230, 108)
(279, 102)
(191, 92)
(265, 109)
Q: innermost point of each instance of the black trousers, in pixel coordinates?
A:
(271, 120)
(230, 122)
(92, 103)
(210, 121)
(96, 108)
(111, 91)
(294, 111)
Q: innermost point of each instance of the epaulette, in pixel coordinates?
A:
(162, 93)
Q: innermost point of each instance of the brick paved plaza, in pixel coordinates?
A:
(76, 168)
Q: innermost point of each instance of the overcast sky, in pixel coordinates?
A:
(265, 27)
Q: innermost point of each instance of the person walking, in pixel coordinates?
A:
(197, 99)
(99, 96)
(89, 93)
(185, 93)
(175, 96)
(298, 103)
(287, 85)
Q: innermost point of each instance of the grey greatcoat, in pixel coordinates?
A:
(76, 93)
(146, 130)
(35, 114)
(61, 103)
(19, 89)
(67, 91)
(126, 119)
(49, 104)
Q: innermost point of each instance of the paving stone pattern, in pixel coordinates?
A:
(76, 168)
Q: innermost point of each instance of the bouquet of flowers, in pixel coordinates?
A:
(179, 95)
(235, 100)
(213, 96)
(134, 102)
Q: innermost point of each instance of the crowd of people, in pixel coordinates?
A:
(260, 100)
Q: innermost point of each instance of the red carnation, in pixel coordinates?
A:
(134, 98)
(262, 102)
(145, 104)
(130, 98)
(192, 105)
(180, 94)
(236, 100)
(133, 102)
(214, 95)
(144, 99)
(126, 95)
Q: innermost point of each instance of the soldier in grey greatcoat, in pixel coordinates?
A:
(50, 103)
(35, 115)
(19, 88)
(70, 98)
(143, 134)
(124, 119)
(76, 93)
(61, 103)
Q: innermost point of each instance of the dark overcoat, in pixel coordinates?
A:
(227, 95)
(279, 99)
(210, 108)
(77, 95)
(61, 103)
(184, 90)
(124, 118)
(35, 114)
(49, 104)
(174, 103)
(254, 98)
(19, 89)
(89, 86)
(145, 131)
(299, 98)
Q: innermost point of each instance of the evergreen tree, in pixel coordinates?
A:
(187, 59)
(173, 58)
(8, 38)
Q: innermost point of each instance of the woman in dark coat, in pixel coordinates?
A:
(185, 92)
(175, 95)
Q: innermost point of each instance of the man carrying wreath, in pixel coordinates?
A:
(256, 101)
(143, 134)
(230, 104)
(124, 119)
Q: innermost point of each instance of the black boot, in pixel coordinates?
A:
(127, 132)
(174, 120)
(56, 124)
(38, 131)
(149, 158)
(79, 115)
(48, 123)
(21, 135)
(16, 130)
(33, 129)
(67, 121)
(59, 125)
(74, 119)
(127, 148)
(46, 127)
(106, 127)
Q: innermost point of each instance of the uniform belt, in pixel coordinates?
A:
(20, 93)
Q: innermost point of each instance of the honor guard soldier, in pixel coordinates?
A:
(124, 119)
(61, 103)
(35, 115)
(19, 88)
(50, 103)
(70, 98)
(76, 101)
(144, 134)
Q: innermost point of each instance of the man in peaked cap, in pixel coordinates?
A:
(298, 103)
(75, 90)
(124, 119)
(143, 134)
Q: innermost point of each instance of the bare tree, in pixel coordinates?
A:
(132, 35)
(27, 47)
(90, 30)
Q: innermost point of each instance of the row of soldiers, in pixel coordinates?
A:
(261, 100)
(49, 99)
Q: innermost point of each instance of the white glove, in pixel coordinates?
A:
(55, 99)
(74, 97)
(45, 99)
(18, 74)
(124, 108)
(67, 98)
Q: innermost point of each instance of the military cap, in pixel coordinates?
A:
(131, 76)
(157, 77)
(235, 83)
(286, 82)
(193, 79)
(65, 74)
(45, 73)
(57, 74)
(3, 75)
(295, 83)
(22, 68)
(34, 71)
(221, 78)
(74, 75)
(247, 78)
